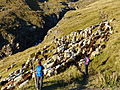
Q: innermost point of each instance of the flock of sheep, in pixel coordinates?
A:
(68, 50)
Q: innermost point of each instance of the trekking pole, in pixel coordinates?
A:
(34, 70)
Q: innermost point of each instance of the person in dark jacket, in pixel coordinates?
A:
(39, 75)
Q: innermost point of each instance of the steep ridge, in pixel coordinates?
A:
(104, 69)
(25, 23)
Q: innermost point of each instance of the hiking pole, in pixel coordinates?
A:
(34, 70)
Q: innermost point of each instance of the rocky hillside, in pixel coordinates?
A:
(24, 23)
(92, 30)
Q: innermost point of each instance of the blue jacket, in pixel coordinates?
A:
(39, 71)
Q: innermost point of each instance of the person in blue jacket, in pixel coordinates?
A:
(39, 75)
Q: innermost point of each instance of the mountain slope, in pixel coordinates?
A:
(24, 23)
(104, 69)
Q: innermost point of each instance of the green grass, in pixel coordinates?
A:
(66, 80)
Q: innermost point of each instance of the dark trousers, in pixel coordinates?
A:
(39, 81)
(86, 69)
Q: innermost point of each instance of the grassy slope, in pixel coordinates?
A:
(75, 20)
(105, 66)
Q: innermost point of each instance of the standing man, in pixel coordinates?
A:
(39, 75)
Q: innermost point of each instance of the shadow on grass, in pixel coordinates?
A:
(82, 81)
(54, 85)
